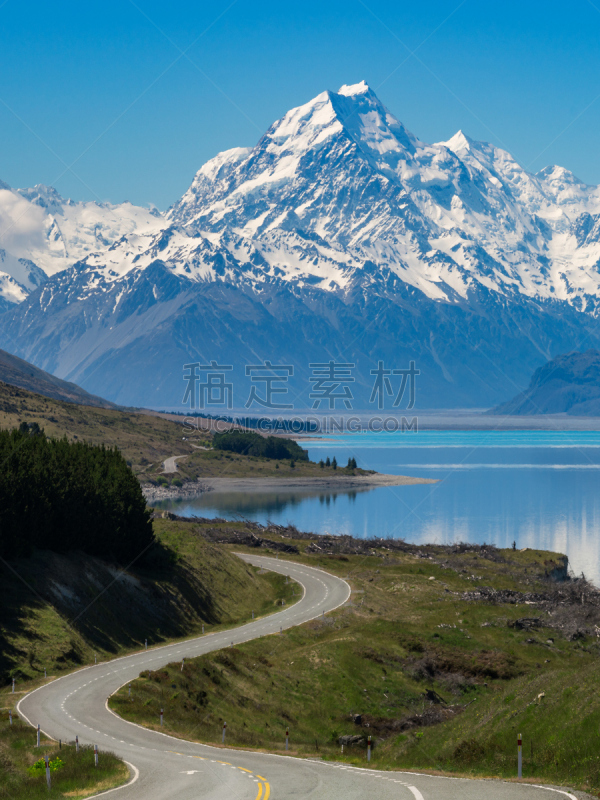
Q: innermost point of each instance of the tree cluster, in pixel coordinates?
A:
(62, 496)
(253, 444)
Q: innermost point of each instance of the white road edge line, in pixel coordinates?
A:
(413, 789)
(136, 775)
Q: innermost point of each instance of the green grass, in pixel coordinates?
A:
(77, 778)
(194, 583)
(403, 635)
(144, 440)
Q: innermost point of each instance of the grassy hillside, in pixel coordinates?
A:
(443, 655)
(56, 611)
(145, 440)
(16, 372)
(73, 774)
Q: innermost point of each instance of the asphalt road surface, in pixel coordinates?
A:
(164, 767)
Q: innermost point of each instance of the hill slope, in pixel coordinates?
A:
(57, 610)
(568, 384)
(17, 372)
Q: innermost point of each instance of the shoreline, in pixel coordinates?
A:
(341, 482)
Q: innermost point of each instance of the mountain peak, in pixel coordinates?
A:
(460, 141)
(350, 90)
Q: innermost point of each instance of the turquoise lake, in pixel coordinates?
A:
(538, 489)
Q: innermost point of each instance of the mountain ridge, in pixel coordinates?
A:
(343, 215)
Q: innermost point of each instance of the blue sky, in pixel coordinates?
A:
(134, 97)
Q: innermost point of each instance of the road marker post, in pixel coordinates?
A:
(95, 755)
(45, 676)
(323, 613)
(369, 749)
(252, 613)
(287, 737)
(38, 736)
(95, 658)
(161, 717)
(145, 644)
(280, 629)
(129, 690)
(202, 628)
(13, 691)
(520, 756)
(48, 778)
(182, 663)
(10, 716)
(224, 729)
(77, 744)
(60, 744)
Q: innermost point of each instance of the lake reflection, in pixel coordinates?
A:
(539, 489)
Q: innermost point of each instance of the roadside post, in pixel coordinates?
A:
(95, 658)
(182, 663)
(13, 691)
(252, 613)
(224, 729)
(161, 717)
(48, 779)
(520, 749)
(129, 690)
(45, 676)
(38, 735)
(77, 744)
(202, 627)
(10, 717)
(95, 755)
(287, 737)
(145, 644)
(369, 749)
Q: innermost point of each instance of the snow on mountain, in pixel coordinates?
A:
(451, 251)
(444, 217)
(42, 234)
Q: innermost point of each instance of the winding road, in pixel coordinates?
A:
(165, 768)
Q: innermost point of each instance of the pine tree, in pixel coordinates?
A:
(334, 463)
(328, 462)
(321, 463)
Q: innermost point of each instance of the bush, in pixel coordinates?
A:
(252, 444)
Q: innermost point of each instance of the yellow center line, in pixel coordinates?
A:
(225, 762)
(267, 791)
(245, 770)
(260, 777)
(260, 788)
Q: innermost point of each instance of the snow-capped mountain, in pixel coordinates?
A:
(42, 234)
(339, 235)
